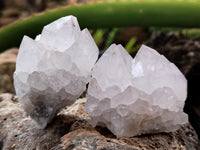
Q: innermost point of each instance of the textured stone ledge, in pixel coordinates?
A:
(71, 130)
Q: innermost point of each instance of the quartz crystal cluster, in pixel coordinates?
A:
(52, 71)
(136, 96)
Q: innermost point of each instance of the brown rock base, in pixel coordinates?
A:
(71, 130)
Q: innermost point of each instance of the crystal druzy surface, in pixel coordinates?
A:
(136, 96)
(52, 71)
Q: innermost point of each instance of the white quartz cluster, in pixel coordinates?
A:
(136, 96)
(52, 71)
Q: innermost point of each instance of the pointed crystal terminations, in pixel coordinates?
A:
(52, 71)
(136, 96)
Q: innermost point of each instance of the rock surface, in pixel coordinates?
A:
(52, 71)
(71, 130)
(136, 96)
(7, 67)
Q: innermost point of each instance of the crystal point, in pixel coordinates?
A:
(136, 96)
(52, 71)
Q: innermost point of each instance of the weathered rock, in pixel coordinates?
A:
(192, 104)
(9, 56)
(7, 67)
(70, 130)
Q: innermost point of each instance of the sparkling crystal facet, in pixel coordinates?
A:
(52, 71)
(136, 96)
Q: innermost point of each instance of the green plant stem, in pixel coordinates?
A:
(175, 13)
(130, 44)
(110, 38)
(98, 36)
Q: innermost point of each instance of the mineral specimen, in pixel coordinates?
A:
(52, 71)
(136, 96)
